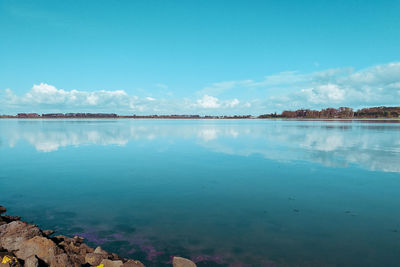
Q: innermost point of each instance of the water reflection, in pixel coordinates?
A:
(373, 145)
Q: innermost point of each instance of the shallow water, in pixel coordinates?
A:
(221, 192)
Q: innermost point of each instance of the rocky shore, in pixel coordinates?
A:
(24, 244)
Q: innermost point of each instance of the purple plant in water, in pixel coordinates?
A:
(150, 251)
(118, 236)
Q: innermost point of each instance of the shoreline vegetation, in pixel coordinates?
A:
(24, 244)
(328, 113)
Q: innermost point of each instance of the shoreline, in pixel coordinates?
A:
(25, 244)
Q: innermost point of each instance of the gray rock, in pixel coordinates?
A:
(31, 261)
(99, 250)
(14, 233)
(182, 262)
(110, 263)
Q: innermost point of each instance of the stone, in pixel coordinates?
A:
(110, 263)
(48, 232)
(85, 249)
(9, 219)
(13, 234)
(132, 263)
(94, 258)
(43, 248)
(182, 262)
(2, 209)
(99, 250)
(61, 260)
(78, 239)
(31, 261)
(78, 259)
(70, 247)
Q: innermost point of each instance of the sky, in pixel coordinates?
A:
(209, 57)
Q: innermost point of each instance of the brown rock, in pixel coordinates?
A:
(42, 247)
(59, 238)
(77, 259)
(94, 258)
(85, 249)
(31, 261)
(132, 263)
(110, 263)
(2, 209)
(61, 260)
(115, 257)
(48, 232)
(70, 247)
(13, 234)
(78, 239)
(182, 262)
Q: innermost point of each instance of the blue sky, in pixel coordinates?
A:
(197, 57)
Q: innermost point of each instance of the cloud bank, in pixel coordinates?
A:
(374, 86)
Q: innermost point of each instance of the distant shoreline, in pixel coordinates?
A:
(327, 113)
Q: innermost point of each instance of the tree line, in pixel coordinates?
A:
(342, 112)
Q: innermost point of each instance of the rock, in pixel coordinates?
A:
(110, 263)
(59, 238)
(77, 259)
(99, 250)
(132, 263)
(13, 234)
(95, 258)
(9, 219)
(31, 261)
(42, 247)
(85, 249)
(61, 260)
(48, 232)
(115, 257)
(2, 209)
(70, 247)
(182, 262)
(78, 239)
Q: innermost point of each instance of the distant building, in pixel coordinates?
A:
(28, 115)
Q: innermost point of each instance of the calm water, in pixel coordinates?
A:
(221, 192)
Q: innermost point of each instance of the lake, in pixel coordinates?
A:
(220, 192)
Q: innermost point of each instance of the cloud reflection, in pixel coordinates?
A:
(374, 146)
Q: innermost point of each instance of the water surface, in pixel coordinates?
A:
(221, 192)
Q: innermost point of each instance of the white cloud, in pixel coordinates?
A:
(325, 93)
(374, 86)
(232, 103)
(208, 102)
